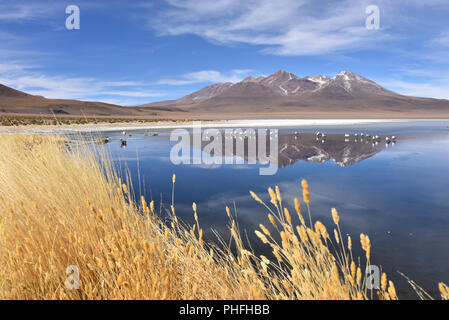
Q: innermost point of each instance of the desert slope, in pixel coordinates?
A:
(280, 95)
(13, 101)
(285, 94)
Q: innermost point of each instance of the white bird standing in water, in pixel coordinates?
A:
(124, 133)
(320, 135)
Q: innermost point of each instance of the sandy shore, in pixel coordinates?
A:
(106, 127)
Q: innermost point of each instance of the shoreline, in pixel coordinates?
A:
(250, 123)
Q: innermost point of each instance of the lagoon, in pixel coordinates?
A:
(395, 193)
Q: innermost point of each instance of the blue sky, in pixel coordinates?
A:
(133, 52)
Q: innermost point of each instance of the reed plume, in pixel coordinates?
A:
(61, 206)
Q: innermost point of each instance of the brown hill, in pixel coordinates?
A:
(284, 94)
(7, 92)
(280, 95)
(20, 103)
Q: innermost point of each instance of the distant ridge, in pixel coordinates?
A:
(7, 92)
(346, 85)
(285, 93)
(16, 102)
(280, 95)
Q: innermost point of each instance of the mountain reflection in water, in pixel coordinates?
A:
(294, 147)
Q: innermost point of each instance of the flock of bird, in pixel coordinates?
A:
(238, 134)
(123, 141)
(374, 139)
(320, 136)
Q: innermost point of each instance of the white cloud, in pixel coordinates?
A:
(135, 94)
(18, 12)
(207, 76)
(283, 27)
(420, 82)
(439, 90)
(25, 78)
(442, 39)
(290, 27)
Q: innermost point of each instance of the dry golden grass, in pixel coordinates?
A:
(61, 208)
(9, 120)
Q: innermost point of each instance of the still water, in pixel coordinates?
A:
(397, 193)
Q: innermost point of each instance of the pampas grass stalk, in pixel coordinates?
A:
(61, 206)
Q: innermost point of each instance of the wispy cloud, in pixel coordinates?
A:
(283, 27)
(207, 76)
(134, 94)
(288, 27)
(420, 82)
(441, 40)
(19, 12)
(438, 90)
(26, 78)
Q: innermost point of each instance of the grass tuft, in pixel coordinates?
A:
(62, 207)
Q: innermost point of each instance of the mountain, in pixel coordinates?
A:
(283, 84)
(16, 102)
(280, 95)
(348, 85)
(206, 93)
(10, 93)
(284, 93)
